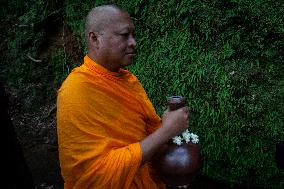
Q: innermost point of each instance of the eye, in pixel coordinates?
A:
(124, 34)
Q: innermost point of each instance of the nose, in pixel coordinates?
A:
(132, 41)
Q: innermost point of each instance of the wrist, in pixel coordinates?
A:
(164, 132)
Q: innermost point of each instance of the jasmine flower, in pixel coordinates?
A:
(186, 137)
(177, 140)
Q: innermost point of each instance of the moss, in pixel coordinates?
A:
(226, 57)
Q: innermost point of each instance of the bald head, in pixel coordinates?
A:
(101, 17)
(110, 36)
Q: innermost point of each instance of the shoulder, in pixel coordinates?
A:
(79, 79)
(79, 84)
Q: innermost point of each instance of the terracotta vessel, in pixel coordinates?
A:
(177, 166)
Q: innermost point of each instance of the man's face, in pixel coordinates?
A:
(117, 42)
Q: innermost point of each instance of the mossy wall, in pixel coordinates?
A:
(225, 57)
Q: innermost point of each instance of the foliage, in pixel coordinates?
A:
(225, 56)
(227, 59)
(24, 64)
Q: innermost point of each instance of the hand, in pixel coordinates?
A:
(175, 122)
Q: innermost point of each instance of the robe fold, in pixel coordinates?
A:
(101, 118)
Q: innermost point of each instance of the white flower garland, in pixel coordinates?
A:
(186, 137)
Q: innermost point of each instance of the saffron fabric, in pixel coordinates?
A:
(101, 118)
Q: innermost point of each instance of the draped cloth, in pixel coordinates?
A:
(101, 118)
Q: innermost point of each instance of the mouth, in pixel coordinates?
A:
(130, 53)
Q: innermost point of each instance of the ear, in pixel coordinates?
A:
(93, 38)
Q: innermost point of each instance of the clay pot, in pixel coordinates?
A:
(176, 102)
(178, 165)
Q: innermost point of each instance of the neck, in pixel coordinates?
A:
(99, 61)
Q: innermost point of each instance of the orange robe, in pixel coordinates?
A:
(101, 118)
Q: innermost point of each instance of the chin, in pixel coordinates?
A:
(127, 63)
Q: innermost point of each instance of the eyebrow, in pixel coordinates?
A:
(128, 29)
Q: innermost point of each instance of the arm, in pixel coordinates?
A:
(173, 123)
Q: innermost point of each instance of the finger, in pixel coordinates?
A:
(186, 110)
(187, 117)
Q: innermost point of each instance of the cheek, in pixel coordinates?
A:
(120, 50)
(122, 45)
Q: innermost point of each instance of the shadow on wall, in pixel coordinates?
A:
(279, 155)
(17, 174)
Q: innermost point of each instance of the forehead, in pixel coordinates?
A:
(122, 21)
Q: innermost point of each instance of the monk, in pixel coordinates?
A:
(108, 129)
